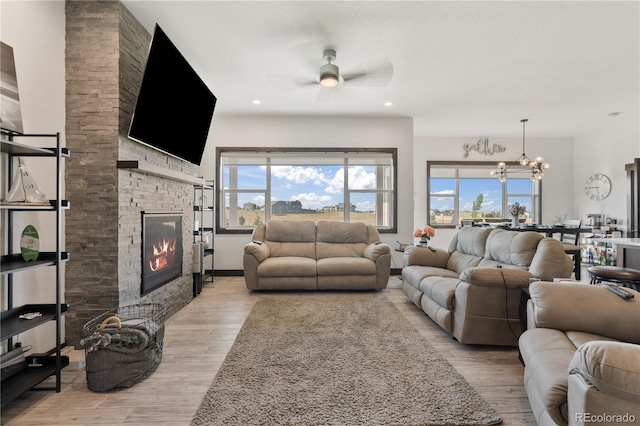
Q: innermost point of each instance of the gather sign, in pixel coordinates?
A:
(482, 147)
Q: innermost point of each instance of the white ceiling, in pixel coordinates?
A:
(470, 68)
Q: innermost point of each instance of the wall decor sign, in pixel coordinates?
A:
(482, 147)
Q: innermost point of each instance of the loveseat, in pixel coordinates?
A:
(472, 289)
(581, 353)
(300, 255)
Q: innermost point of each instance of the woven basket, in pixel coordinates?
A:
(123, 346)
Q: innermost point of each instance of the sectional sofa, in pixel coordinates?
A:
(472, 290)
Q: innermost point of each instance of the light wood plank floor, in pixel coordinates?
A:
(198, 338)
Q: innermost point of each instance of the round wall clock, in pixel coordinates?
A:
(597, 187)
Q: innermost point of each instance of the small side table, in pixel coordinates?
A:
(522, 309)
(522, 312)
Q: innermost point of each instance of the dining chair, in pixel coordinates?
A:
(571, 244)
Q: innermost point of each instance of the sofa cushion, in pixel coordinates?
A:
(414, 274)
(467, 248)
(287, 267)
(440, 289)
(338, 239)
(612, 367)
(551, 310)
(291, 239)
(345, 266)
(546, 354)
(511, 247)
(459, 261)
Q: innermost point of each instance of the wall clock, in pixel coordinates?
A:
(597, 187)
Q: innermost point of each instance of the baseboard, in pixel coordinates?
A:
(228, 273)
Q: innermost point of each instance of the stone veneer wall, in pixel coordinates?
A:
(106, 49)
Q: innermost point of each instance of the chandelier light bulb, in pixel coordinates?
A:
(546, 165)
(502, 165)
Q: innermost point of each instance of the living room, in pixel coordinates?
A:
(39, 33)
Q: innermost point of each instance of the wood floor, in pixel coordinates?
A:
(198, 338)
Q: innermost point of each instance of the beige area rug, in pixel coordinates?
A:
(337, 359)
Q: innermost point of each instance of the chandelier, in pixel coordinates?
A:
(536, 166)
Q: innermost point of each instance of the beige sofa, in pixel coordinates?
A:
(293, 255)
(472, 289)
(582, 355)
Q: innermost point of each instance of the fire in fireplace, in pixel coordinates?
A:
(161, 249)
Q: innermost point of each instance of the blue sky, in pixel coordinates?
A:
(490, 188)
(314, 186)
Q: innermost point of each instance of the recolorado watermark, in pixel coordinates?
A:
(605, 418)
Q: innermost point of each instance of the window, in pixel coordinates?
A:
(458, 191)
(258, 185)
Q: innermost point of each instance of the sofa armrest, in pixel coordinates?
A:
(259, 251)
(586, 308)
(613, 368)
(375, 250)
(496, 277)
(424, 256)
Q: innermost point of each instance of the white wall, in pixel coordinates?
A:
(36, 32)
(329, 132)
(607, 151)
(557, 189)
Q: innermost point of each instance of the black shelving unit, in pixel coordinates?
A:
(11, 263)
(203, 210)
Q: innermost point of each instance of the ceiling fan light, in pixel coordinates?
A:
(329, 75)
(329, 81)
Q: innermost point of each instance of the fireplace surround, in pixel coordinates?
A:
(161, 249)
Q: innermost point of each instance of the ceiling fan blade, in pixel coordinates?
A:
(290, 82)
(378, 75)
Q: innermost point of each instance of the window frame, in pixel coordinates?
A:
(536, 195)
(259, 151)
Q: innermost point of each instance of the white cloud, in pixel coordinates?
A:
(299, 174)
(444, 192)
(359, 178)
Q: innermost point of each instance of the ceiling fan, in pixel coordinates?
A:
(329, 76)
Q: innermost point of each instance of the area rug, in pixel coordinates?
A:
(337, 359)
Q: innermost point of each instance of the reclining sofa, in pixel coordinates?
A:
(581, 353)
(472, 290)
(300, 255)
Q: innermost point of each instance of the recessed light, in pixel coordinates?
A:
(388, 103)
(255, 102)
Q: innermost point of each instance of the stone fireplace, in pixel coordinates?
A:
(106, 50)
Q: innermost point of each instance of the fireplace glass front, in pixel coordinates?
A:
(161, 249)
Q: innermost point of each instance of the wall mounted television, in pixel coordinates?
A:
(174, 108)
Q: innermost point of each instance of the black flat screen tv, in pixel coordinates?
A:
(174, 108)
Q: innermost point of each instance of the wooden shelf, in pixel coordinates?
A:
(18, 384)
(14, 262)
(14, 148)
(64, 204)
(13, 325)
(152, 169)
